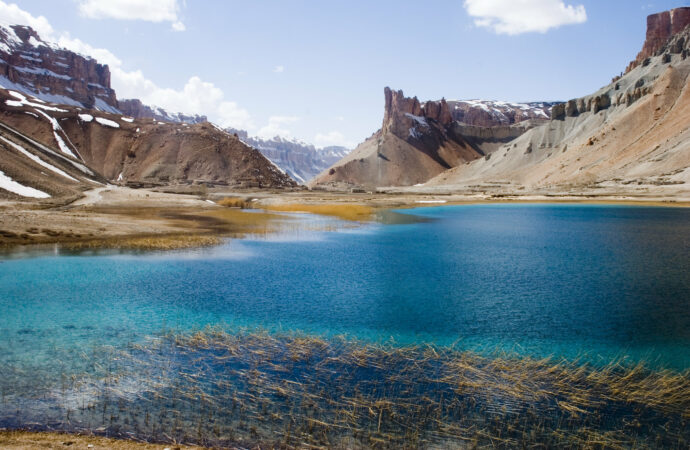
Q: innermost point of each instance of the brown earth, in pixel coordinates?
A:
(26, 440)
(143, 152)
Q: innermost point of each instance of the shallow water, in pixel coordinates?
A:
(594, 283)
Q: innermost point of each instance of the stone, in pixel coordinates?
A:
(571, 108)
(558, 112)
(661, 28)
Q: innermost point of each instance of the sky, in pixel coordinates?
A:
(315, 70)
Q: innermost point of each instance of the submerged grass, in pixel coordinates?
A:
(215, 388)
(345, 211)
(162, 242)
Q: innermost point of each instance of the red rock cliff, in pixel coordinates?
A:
(402, 113)
(660, 28)
(53, 73)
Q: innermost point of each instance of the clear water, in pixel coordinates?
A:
(581, 283)
(599, 282)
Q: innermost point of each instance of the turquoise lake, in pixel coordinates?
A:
(560, 280)
(590, 282)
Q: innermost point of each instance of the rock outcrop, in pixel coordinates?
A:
(415, 143)
(660, 28)
(51, 73)
(486, 113)
(136, 109)
(631, 137)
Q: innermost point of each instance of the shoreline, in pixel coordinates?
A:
(129, 219)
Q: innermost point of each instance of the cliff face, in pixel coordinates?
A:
(401, 114)
(415, 143)
(52, 74)
(660, 28)
(136, 109)
(630, 137)
(485, 113)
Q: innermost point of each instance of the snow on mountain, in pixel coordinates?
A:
(298, 159)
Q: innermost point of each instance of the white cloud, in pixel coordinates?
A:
(279, 69)
(148, 10)
(331, 138)
(524, 16)
(195, 97)
(11, 14)
(276, 127)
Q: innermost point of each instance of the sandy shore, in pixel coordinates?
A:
(120, 217)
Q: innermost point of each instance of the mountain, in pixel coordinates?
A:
(58, 106)
(631, 136)
(53, 74)
(300, 160)
(418, 141)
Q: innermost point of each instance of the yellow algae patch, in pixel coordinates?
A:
(345, 211)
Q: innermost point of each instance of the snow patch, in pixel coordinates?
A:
(85, 117)
(127, 119)
(23, 101)
(56, 127)
(420, 120)
(9, 184)
(107, 122)
(35, 42)
(36, 159)
(431, 201)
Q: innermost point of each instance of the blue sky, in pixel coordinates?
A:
(315, 70)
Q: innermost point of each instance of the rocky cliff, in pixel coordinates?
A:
(486, 113)
(414, 143)
(50, 73)
(63, 102)
(631, 137)
(661, 28)
(136, 109)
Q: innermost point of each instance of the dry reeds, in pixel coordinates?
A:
(218, 388)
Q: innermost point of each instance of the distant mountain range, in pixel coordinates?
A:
(300, 160)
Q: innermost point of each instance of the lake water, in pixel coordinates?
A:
(593, 283)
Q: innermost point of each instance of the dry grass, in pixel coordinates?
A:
(162, 242)
(213, 388)
(345, 211)
(26, 440)
(235, 202)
